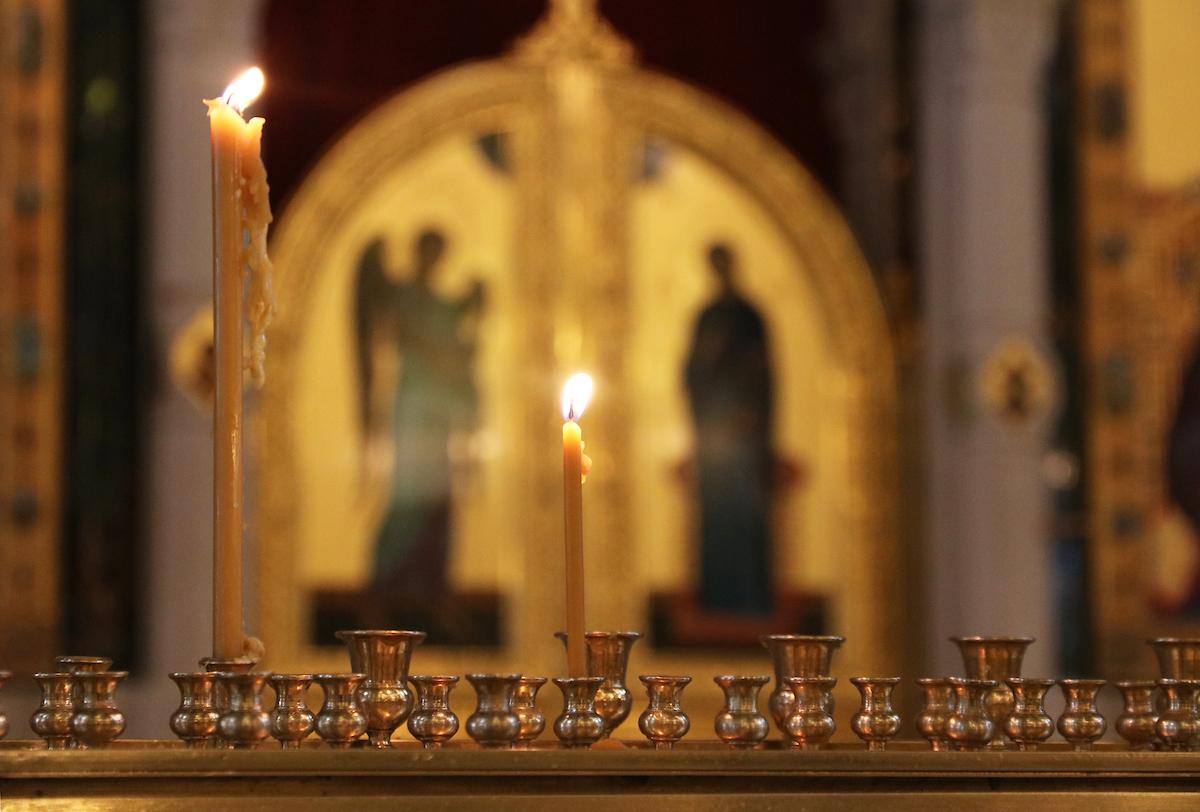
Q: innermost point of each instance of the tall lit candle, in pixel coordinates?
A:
(241, 214)
(575, 397)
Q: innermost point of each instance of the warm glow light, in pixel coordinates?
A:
(576, 395)
(243, 90)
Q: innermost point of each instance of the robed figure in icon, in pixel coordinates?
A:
(1183, 492)
(729, 389)
(416, 363)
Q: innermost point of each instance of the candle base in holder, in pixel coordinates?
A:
(607, 657)
(224, 665)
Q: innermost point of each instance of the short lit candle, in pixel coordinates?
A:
(241, 213)
(575, 397)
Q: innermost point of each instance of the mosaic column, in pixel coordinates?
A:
(32, 65)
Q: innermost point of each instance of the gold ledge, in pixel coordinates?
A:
(164, 777)
(164, 759)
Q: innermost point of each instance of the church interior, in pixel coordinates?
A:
(889, 309)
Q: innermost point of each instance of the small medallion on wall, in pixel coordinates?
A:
(1016, 383)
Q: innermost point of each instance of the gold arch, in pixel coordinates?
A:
(538, 103)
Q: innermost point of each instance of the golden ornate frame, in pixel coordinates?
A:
(32, 67)
(574, 104)
(1141, 319)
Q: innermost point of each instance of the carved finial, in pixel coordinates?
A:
(573, 30)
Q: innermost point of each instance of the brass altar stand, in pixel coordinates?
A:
(163, 775)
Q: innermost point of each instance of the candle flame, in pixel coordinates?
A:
(243, 90)
(576, 395)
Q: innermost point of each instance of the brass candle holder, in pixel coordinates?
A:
(1029, 725)
(970, 727)
(433, 723)
(5, 676)
(52, 720)
(938, 705)
(244, 724)
(1138, 714)
(797, 655)
(494, 723)
(1178, 727)
(1081, 722)
(340, 721)
(290, 722)
(533, 721)
(579, 725)
(1178, 658)
(809, 723)
(196, 719)
(70, 663)
(383, 656)
(876, 721)
(97, 720)
(740, 724)
(75, 663)
(223, 665)
(998, 659)
(607, 656)
(663, 721)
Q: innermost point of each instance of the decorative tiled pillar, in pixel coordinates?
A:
(32, 69)
(988, 382)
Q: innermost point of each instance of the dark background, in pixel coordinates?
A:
(330, 63)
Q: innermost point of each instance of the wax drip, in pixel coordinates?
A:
(256, 216)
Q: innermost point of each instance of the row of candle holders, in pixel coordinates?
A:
(222, 705)
(78, 705)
